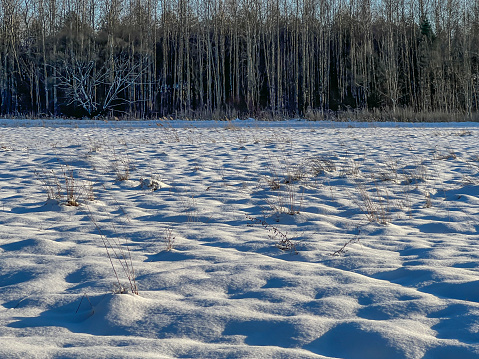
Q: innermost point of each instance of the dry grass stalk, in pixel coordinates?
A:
(65, 188)
(375, 204)
(169, 239)
(320, 166)
(343, 249)
(283, 242)
(117, 254)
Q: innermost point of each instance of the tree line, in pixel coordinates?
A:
(147, 58)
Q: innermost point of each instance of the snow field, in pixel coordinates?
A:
(377, 225)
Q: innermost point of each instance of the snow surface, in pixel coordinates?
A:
(248, 239)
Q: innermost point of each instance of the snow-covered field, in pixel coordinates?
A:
(245, 240)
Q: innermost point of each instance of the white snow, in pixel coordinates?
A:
(377, 223)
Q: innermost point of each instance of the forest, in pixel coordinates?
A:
(219, 58)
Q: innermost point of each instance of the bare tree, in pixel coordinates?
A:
(148, 57)
(81, 81)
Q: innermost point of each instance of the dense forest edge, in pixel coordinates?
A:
(388, 59)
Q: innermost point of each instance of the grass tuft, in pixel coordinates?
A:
(64, 186)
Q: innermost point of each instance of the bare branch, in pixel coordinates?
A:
(81, 81)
